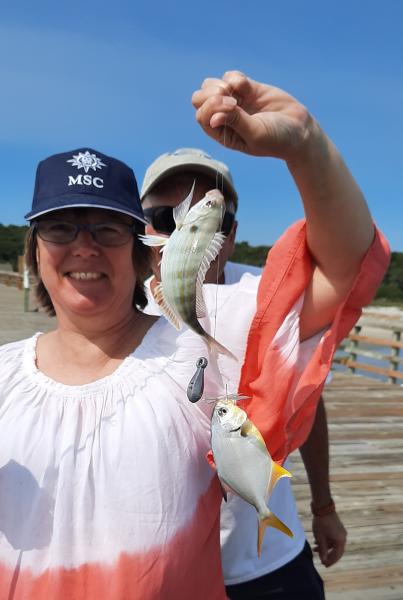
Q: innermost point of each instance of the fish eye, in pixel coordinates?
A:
(222, 412)
(209, 203)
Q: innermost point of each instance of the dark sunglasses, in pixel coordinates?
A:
(162, 220)
(64, 232)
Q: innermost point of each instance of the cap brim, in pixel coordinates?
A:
(82, 201)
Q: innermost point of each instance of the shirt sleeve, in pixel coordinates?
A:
(284, 395)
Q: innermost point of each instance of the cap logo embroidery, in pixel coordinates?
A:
(86, 160)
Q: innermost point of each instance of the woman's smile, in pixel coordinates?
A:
(85, 275)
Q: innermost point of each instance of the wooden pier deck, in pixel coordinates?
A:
(366, 467)
(366, 451)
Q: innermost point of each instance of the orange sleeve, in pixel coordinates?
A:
(282, 410)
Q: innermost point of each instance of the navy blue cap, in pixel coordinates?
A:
(85, 178)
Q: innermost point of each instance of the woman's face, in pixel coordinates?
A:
(83, 277)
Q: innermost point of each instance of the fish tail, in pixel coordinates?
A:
(270, 521)
(217, 347)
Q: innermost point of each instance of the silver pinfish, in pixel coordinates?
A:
(244, 464)
(186, 258)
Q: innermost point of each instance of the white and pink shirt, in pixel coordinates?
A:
(105, 491)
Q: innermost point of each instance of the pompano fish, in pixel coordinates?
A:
(186, 258)
(244, 464)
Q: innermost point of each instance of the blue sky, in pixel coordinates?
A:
(119, 77)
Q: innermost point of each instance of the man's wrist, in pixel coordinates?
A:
(323, 510)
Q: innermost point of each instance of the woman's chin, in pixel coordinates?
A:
(88, 305)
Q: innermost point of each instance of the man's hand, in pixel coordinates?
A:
(252, 117)
(263, 120)
(330, 538)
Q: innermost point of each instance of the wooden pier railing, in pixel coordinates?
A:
(11, 278)
(375, 346)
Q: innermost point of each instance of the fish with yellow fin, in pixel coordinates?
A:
(243, 463)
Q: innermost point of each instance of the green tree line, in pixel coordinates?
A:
(12, 244)
(391, 289)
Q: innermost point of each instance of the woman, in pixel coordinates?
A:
(105, 492)
(99, 438)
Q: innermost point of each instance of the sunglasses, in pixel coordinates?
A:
(162, 220)
(64, 232)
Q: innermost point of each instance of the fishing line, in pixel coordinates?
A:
(218, 257)
(216, 296)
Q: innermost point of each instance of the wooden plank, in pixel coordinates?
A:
(374, 341)
(369, 434)
(380, 324)
(390, 591)
(365, 395)
(375, 577)
(348, 381)
(362, 383)
(355, 517)
(378, 538)
(364, 367)
(366, 474)
(358, 351)
(378, 315)
(373, 410)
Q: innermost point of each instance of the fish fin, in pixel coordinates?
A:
(211, 253)
(166, 310)
(270, 521)
(153, 240)
(234, 397)
(248, 429)
(200, 305)
(180, 211)
(277, 472)
(216, 347)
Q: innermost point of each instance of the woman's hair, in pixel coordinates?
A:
(141, 262)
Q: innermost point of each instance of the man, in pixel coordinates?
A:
(286, 565)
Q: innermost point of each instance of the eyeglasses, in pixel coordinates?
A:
(64, 232)
(162, 220)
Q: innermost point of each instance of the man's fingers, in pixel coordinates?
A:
(322, 550)
(211, 87)
(333, 556)
(215, 111)
(233, 84)
(336, 552)
(329, 553)
(199, 97)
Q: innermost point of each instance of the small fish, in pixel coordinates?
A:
(186, 258)
(243, 463)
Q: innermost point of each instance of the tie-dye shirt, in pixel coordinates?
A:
(105, 492)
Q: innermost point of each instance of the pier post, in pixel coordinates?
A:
(395, 354)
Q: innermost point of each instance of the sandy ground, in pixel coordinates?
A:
(15, 324)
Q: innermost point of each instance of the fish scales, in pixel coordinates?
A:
(235, 459)
(178, 271)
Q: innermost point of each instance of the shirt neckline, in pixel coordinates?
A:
(144, 350)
